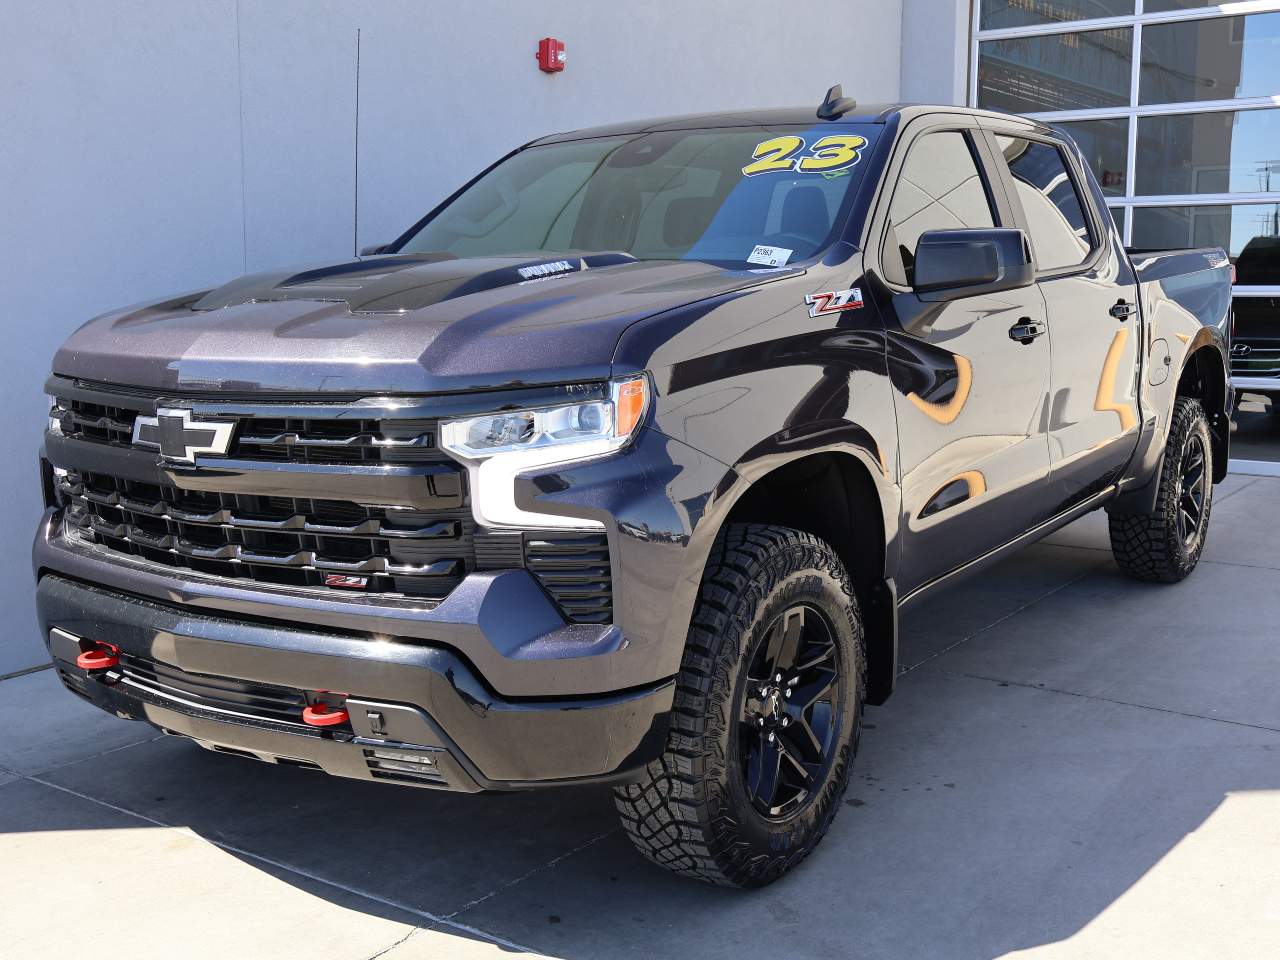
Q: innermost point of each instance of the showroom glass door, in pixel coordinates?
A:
(1176, 105)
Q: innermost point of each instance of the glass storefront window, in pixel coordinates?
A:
(1230, 152)
(1118, 215)
(1060, 71)
(1215, 59)
(998, 14)
(1164, 6)
(1250, 233)
(1105, 145)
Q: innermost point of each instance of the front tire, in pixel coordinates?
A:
(766, 718)
(1164, 546)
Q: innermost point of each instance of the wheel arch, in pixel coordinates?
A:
(1204, 376)
(840, 493)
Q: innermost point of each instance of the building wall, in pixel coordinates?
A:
(935, 51)
(153, 147)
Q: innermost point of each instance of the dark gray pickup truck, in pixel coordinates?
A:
(618, 465)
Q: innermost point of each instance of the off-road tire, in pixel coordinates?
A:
(1149, 546)
(691, 812)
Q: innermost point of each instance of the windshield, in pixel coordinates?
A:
(751, 195)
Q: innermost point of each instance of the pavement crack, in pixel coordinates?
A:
(25, 671)
(387, 949)
(536, 870)
(1101, 699)
(104, 753)
(995, 623)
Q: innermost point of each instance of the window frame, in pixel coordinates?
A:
(1098, 232)
(910, 135)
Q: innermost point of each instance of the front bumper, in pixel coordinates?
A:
(419, 713)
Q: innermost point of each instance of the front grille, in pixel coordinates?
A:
(281, 540)
(1259, 362)
(331, 545)
(273, 439)
(257, 700)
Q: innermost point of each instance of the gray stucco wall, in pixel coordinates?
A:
(152, 147)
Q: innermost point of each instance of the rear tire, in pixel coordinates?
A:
(1164, 546)
(755, 766)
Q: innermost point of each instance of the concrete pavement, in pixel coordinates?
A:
(1074, 765)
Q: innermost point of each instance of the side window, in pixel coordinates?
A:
(939, 188)
(1060, 232)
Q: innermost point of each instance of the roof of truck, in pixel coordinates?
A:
(773, 117)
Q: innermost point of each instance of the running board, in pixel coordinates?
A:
(999, 553)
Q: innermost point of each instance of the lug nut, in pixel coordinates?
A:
(778, 678)
(759, 721)
(771, 738)
(787, 693)
(786, 721)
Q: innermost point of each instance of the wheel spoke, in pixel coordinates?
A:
(764, 768)
(802, 740)
(784, 640)
(1186, 525)
(811, 690)
(815, 656)
(807, 771)
(1190, 505)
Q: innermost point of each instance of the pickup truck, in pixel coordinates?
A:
(618, 465)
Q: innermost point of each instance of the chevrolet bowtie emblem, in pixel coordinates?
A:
(181, 439)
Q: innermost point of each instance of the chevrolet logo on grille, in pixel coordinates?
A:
(181, 439)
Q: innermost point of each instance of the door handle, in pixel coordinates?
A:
(1122, 310)
(1026, 330)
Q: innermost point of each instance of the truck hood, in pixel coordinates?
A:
(394, 324)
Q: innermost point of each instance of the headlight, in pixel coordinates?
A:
(496, 447)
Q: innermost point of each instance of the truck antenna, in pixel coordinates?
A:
(836, 104)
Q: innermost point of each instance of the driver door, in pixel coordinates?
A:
(971, 400)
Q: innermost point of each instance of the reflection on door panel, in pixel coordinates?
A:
(1095, 356)
(970, 401)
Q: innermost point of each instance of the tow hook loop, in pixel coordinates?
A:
(321, 714)
(100, 656)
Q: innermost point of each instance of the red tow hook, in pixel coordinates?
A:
(99, 656)
(321, 714)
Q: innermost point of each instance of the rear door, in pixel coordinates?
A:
(1094, 324)
(970, 399)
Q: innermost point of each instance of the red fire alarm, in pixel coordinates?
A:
(550, 55)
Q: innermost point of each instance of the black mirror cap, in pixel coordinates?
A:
(951, 264)
(374, 250)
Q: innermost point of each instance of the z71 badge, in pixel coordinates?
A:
(834, 301)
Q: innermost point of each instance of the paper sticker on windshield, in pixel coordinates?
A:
(770, 256)
(791, 154)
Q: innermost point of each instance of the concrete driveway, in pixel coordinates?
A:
(1074, 765)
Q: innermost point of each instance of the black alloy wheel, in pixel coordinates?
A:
(767, 713)
(1192, 489)
(1164, 544)
(788, 717)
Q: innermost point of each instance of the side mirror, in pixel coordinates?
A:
(374, 250)
(965, 263)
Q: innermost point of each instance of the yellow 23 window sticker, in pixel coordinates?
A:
(829, 154)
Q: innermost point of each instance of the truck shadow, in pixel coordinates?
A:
(983, 817)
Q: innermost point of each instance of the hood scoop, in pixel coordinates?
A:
(397, 283)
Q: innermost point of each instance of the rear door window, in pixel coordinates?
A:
(1061, 234)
